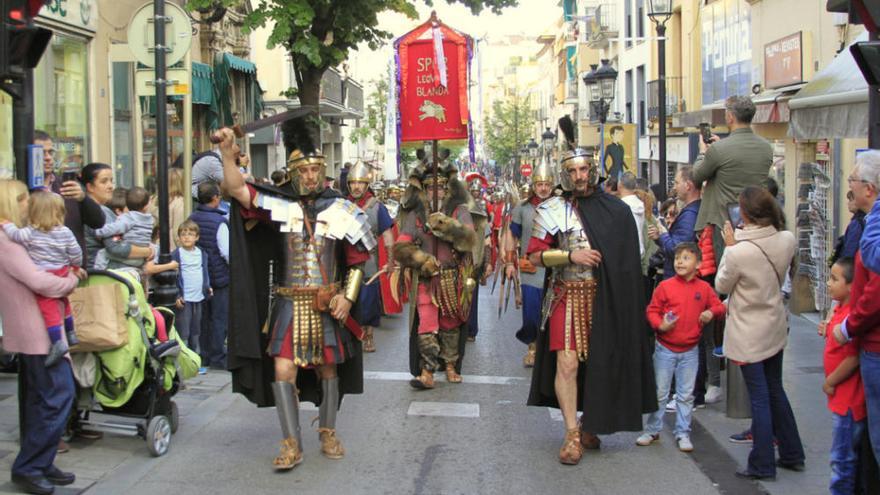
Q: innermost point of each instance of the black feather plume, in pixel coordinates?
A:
(302, 133)
(566, 125)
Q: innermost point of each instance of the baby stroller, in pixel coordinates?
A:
(136, 375)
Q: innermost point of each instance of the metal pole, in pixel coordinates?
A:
(874, 108)
(436, 154)
(661, 96)
(165, 292)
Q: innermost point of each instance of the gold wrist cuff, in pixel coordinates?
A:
(353, 284)
(555, 257)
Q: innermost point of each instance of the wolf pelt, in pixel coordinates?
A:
(416, 202)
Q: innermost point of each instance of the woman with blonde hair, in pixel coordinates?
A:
(53, 248)
(175, 203)
(45, 393)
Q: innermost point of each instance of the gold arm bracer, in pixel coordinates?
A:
(555, 257)
(353, 284)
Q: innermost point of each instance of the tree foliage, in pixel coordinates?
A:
(319, 34)
(508, 129)
(373, 124)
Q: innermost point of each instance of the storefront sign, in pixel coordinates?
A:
(783, 61)
(428, 109)
(678, 149)
(726, 50)
(80, 14)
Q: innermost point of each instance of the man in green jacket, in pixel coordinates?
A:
(730, 165)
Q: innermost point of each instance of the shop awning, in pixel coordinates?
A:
(202, 84)
(834, 104)
(239, 64)
(222, 106)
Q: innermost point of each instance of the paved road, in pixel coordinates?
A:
(474, 438)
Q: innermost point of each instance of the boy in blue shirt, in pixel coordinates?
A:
(193, 285)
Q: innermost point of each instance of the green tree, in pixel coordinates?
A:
(374, 115)
(318, 34)
(508, 129)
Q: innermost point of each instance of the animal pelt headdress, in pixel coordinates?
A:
(417, 201)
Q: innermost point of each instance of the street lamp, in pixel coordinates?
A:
(601, 84)
(660, 11)
(533, 149)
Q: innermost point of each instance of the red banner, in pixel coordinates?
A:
(429, 110)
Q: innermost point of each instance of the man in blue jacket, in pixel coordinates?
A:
(868, 163)
(682, 229)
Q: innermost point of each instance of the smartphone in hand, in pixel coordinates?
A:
(706, 133)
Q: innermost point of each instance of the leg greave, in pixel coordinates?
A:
(330, 403)
(288, 409)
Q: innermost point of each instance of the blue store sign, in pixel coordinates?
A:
(727, 50)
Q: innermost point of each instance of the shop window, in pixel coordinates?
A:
(123, 136)
(61, 98)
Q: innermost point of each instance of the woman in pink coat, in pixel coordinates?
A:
(45, 394)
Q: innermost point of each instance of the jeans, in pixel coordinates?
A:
(869, 364)
(188, 322)
(846, 434)
(214, 340)
(48, 398)
(771, 415)
(683, 366)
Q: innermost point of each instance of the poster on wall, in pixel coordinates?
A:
(620, 150)
(726, 50)
(433, 80)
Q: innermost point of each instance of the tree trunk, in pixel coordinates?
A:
(309, 95)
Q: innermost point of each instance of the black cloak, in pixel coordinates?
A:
(616, 383)
(253, 370)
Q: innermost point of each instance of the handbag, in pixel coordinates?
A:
(99, 317)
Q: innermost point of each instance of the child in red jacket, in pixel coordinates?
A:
(679, 308)
(843, 385)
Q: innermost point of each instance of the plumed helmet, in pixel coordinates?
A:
(307, 152)
(573, 156)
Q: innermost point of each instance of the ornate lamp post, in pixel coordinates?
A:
(601, 85)
(548, 139)
(660, 11)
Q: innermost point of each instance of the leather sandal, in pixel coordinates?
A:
(331, 447)
(289, 457)
(529, 358)
(571, 451)
(451, 375)
(425, 381)
(369, 344)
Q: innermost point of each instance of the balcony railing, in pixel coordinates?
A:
(674, 101)
(602, 21)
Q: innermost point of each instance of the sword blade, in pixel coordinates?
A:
(277, 118)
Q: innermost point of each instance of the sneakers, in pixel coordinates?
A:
(713, 394)
(718, 352)
(203, 371)
(670, 406)
(646, 439)
(684, 444)
(742, 438)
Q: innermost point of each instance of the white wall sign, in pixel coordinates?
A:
(81, 14)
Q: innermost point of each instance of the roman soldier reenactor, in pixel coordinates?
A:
(299, 252)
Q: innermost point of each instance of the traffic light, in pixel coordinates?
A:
(21, 42)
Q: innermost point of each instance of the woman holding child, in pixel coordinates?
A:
(98, 180)
(45, 392)
(752, 271)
